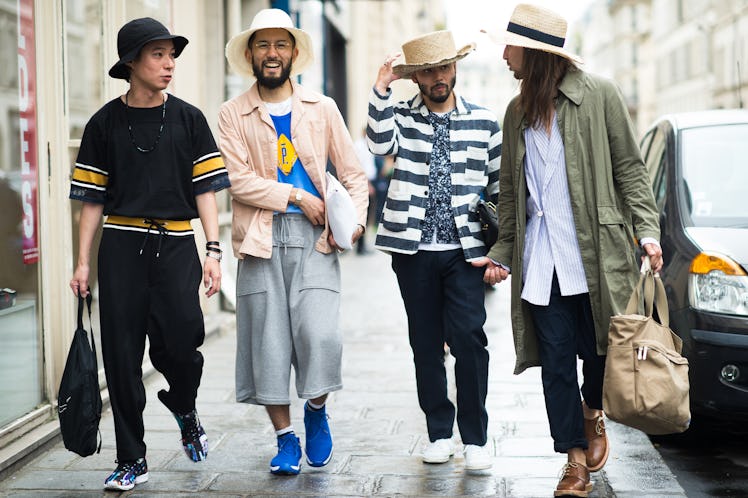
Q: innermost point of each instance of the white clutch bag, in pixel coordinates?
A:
(341, 213)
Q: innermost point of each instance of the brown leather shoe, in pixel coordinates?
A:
(575, 481)
(597, 440)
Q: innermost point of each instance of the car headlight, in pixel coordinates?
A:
(718, 284)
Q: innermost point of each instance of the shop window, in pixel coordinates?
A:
(21, 351)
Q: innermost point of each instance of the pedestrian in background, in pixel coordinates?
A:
(148, 161)
(573, 195)
(277, 138)
(447, 154)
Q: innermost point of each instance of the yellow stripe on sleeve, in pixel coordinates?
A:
(87, 176)
(212, 164)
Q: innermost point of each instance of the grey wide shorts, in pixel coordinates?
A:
(287, 311)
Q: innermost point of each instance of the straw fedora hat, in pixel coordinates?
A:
(431, 50)
(269, 18)
(133, 36)
(538, 28)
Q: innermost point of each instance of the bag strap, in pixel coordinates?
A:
(654, 296)
(647, 284)
(88, 300)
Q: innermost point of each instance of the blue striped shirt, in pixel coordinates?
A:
(551, 237)
(404, 130)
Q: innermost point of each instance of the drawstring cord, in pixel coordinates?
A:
(154, 225)
(283, 235)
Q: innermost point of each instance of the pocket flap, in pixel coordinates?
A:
(609, 215)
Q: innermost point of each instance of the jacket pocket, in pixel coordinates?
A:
(396, 212)
(475, 163)
(616, 247)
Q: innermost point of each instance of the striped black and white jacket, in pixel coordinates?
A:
(404, 130)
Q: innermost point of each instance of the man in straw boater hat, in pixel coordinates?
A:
(447, 154)
(277, 138)
(148, 161)
(574, 194)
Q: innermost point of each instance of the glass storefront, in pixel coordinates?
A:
(20, 336)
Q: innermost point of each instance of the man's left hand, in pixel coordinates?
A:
(211, 275)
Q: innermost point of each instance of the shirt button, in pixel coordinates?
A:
(540, 214)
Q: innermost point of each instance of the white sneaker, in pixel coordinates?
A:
(476, 457)
(439, 451)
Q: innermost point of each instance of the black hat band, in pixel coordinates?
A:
(536, 35)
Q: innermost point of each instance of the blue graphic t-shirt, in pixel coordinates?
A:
(289, 166)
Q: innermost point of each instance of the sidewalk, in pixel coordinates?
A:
(376, 423)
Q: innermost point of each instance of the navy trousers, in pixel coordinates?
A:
(444, 300)
(565, 329)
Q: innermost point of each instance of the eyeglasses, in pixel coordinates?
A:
(280, 46)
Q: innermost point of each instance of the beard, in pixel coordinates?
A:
(272, 82)
(430, 92)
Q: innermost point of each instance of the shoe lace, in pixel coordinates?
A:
(567, 469)
(600, 426)
(190, 427)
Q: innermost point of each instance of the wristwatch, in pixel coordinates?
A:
(298, 197)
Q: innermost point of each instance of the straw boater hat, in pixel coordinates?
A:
(431, 50)
(535, 27)
(269, 18)
(134, 35)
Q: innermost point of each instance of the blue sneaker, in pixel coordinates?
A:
(318, 439)
(127, 475)
(288, 460)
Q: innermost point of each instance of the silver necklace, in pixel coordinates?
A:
(160, 130)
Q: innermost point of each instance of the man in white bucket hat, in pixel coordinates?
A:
(277, 138)
(447, 154)
(574, 194)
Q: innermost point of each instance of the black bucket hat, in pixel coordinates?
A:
(134, 35)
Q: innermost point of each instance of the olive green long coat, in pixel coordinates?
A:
(611, 200)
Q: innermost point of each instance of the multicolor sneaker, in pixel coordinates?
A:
(318, 439)
(288, 460)
(127, 475)
(194, 440)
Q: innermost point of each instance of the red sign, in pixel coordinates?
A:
(27, 121)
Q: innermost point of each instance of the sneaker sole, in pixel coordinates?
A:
(292, 471)
(138, 480)
(319, 464)
(436, 459)
(484, 466)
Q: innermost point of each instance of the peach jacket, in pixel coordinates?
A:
(249, 145)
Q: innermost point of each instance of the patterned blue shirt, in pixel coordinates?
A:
(439, 217)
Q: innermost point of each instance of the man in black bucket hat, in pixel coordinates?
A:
(149, 163)
(133, 36)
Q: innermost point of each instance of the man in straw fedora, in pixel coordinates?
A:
(447, 154)
(574, 194)
(149, 163)
(277, 138)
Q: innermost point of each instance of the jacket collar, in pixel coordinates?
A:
(417, 104)
(573, 86)
(250, 100)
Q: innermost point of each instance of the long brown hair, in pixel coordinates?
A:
(542, 73)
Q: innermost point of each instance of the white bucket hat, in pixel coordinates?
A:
(431, 50)
(269, 18)
(535, 27)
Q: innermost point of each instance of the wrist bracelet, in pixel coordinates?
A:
(216, 256)
(212, 243)
(213, 249)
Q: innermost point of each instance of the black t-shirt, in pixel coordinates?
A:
(163, 183)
